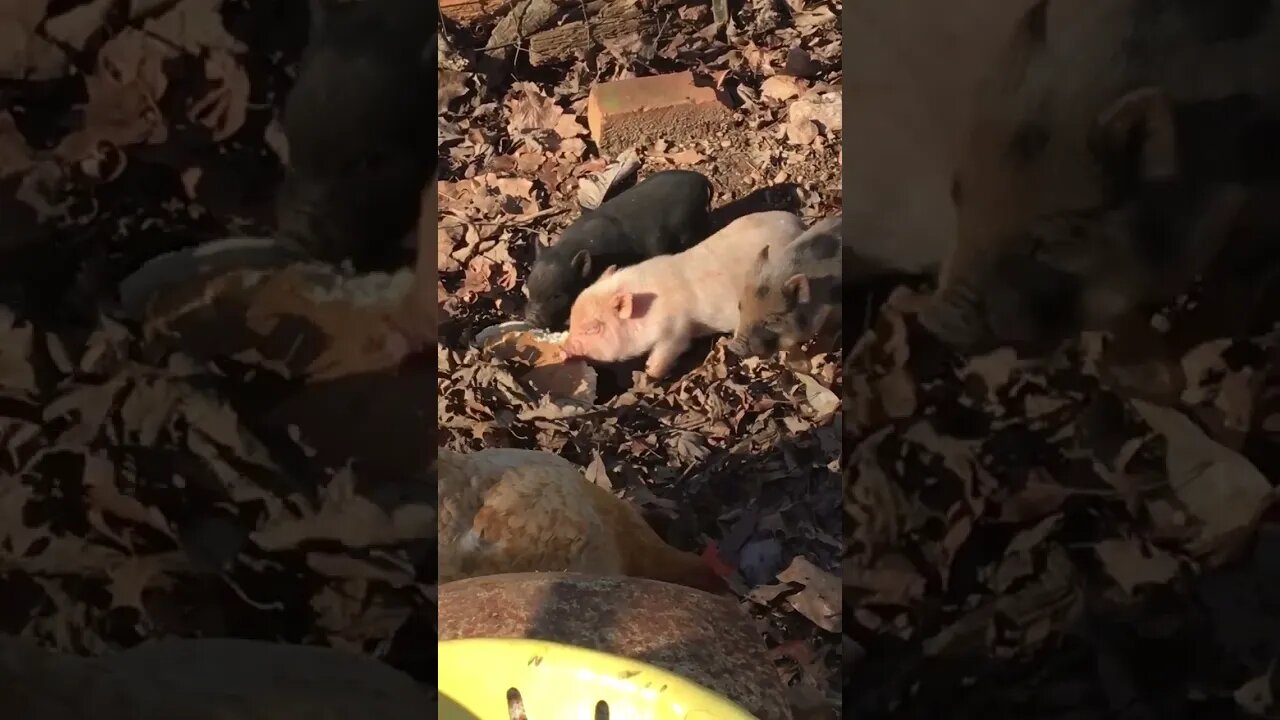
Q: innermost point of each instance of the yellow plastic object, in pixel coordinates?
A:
(490, 679)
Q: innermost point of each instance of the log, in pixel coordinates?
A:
(523, 19)
(472, 12)
(604, 21)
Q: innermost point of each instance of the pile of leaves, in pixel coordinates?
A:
(736, 458)
(1087, 535)
(131, 129)
(166, 466)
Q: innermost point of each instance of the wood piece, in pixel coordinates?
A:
(472, 12)
(575, 39)
(525, 18)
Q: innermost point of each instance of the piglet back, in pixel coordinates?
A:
(749, 233)
(819, 254)
(609, 241)
(665, 213)
(820, 249)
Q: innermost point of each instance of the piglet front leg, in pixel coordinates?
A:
(664, 354)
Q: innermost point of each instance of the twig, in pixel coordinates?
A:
(586, 25)
(514, 222)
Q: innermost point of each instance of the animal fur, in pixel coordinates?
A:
(794, 295)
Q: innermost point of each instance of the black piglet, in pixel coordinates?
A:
(663, 214)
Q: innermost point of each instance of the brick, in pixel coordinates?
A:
(640, 111)
(471, 11)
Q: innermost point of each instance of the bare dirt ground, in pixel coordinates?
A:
(734, 458)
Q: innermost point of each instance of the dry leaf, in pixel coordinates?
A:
(194, 26)
(569, 127)
(515, 187)
(24, 55)
(782, 87)
(531, 110)
(1221, 489)
(448, 238)
(823, 109)
(1132, 563)
(223, 110)
(597, 473)
(1258, 696)
(593, 190)
(451, 85)
(819, 397)
(820, 599)
(122, 91)
(74, 26)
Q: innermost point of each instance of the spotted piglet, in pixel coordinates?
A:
(660, 305)
(794, 294)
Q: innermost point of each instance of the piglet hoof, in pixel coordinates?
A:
(657, 371)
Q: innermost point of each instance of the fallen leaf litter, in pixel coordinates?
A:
(736, 458)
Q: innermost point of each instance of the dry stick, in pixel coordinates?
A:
(517, 221)
(586, 22)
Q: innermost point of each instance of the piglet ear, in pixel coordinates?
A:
(762, 259)
(796, 290)
(581, 263)
(622, 305)
(609, 271)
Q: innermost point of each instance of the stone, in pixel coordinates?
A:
(823, 109)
